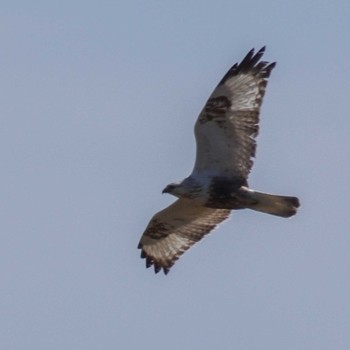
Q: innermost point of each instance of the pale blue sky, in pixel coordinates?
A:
(98, 103)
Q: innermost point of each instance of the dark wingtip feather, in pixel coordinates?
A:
(150, 262)
(250, 63)
(262, 50)
(250, 59)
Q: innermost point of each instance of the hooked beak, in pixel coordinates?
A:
(166, 190)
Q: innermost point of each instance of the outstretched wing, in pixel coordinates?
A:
(174, 230)
(228, 124)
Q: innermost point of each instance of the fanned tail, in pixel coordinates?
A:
(284, 206)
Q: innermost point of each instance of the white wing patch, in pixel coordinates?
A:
(226, 136)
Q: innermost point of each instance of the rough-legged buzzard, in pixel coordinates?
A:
(225, 134)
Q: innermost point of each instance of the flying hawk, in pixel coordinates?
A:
(225, 134)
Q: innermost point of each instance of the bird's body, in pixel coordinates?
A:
(225, 134)
(231, 193)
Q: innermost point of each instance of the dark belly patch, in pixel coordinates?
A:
(224, 193)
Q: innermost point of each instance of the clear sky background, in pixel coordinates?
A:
(98, 104)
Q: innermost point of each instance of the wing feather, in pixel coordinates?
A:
(229, 122)
(175, 229)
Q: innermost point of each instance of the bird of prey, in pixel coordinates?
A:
(225, 135)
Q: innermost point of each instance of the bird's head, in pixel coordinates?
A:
(174, 188)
